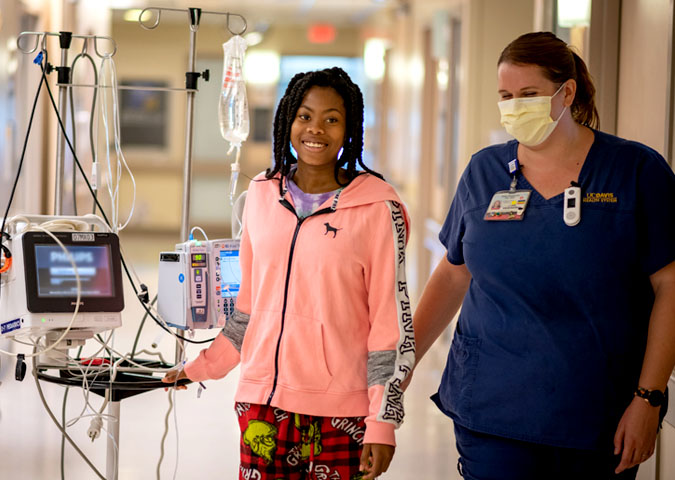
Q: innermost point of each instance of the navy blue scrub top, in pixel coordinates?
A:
(552, 331)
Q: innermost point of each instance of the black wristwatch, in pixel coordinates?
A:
(653, 397)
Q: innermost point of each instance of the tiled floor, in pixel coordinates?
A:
(207, 443)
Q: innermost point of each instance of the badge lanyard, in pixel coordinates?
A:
(509, 205)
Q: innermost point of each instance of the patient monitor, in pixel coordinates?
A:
(199, 283)
(38, 294)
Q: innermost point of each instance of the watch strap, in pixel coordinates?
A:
(654, 398)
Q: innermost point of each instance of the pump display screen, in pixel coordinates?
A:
(56, 276)
(230, 273)
(51, 285)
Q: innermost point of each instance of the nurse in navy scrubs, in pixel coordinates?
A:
(566, 337)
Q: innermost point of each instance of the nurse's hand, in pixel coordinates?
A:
(175, 374)
(635, 437)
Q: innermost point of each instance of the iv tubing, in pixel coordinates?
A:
(234, 175)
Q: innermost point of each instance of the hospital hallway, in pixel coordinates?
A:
(207, 444)
(168, 118)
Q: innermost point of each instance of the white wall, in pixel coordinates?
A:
(642, 71)
(642, 117)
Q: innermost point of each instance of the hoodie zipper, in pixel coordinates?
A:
(287, 204)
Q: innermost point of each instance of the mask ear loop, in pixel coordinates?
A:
(561, 114)
(559, 88)
(564, 107)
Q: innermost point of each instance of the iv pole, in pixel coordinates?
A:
(195, 17)
(64, 82)
(191, 78)
(64, 71)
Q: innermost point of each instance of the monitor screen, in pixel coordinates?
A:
(56, 277)
(51, 285)
(230, 273)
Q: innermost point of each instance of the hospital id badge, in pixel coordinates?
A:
(508, 205)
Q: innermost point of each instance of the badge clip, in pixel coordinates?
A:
(572, 205)
(514, 182)
(514, 165)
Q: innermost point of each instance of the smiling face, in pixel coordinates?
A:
(526, 81)
(318, 130)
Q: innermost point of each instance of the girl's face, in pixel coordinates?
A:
(318, 130)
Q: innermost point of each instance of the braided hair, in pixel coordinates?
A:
(352, 149)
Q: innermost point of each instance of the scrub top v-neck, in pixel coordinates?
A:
(552, 332)
(523, 183)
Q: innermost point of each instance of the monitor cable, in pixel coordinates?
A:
(56, 422)
(63, 424)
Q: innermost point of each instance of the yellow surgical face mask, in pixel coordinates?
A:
(528, 119)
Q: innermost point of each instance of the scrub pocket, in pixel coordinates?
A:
(461, 371)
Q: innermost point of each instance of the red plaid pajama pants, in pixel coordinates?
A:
(279, 445)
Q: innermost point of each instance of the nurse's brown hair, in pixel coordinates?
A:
(559, 63)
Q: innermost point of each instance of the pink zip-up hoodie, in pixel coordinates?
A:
(323, 323)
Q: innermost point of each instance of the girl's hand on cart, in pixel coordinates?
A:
(174, 375)
(375, 459)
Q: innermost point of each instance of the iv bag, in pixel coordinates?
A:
(233, 105)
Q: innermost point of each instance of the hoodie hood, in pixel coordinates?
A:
(363, 190)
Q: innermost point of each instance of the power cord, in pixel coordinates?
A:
(63, 424)
(172, 406)
(96, 424)
(166, 432)
(94, 429)
(58, 425)
(63, 438)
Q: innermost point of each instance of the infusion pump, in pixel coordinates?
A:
(38, 293)
(199, 283)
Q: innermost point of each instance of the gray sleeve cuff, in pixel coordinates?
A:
(380, 367)
(235, 328)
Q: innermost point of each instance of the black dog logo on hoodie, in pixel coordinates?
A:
(331, 229)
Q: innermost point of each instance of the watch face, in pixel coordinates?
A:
(655, 398)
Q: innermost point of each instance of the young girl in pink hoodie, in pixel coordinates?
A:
(322, 327)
